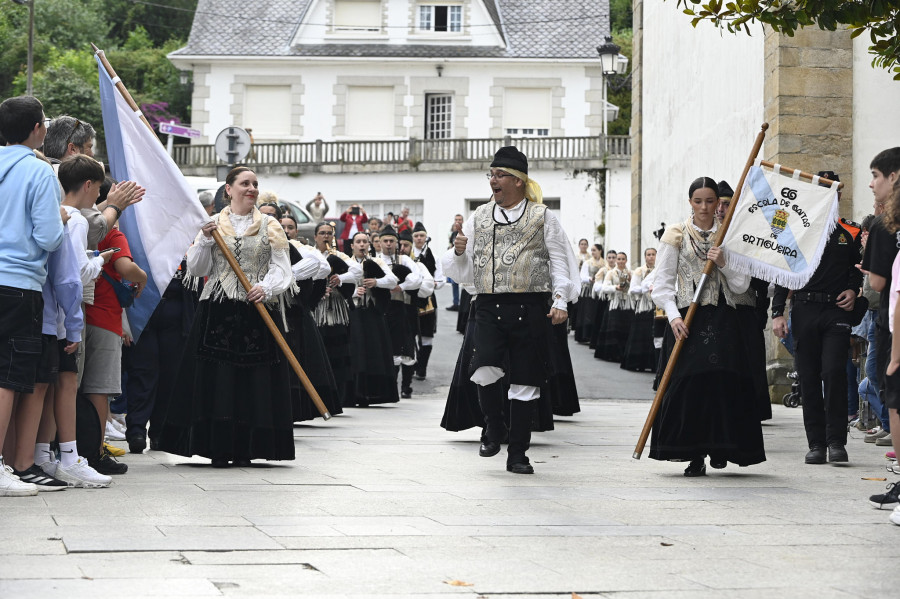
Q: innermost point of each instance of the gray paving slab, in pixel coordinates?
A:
(383, 503)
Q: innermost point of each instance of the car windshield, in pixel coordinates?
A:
(298, 214)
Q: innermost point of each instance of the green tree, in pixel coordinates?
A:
(880, 18)
(619, 91)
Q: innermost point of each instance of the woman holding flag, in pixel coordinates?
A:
(708, 407)
(232, 397)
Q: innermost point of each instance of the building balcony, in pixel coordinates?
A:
(294, 158)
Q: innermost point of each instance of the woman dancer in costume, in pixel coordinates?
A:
(372, 365)
(602, 299)
(310, 269)
(617, 323)
(708, 407)
(587, 304)
(639, 353)
(231, 400)
(332, 312)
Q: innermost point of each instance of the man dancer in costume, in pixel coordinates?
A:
(523, 268)
(427, 312)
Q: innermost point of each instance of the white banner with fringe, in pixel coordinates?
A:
(780, 226)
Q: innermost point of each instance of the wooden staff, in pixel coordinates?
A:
(692, 310)
(790, 173)
(267, 318)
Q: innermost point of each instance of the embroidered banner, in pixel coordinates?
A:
(779, 227)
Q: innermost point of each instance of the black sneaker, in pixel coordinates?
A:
(43, 481)
(884, 501)
(107, 464)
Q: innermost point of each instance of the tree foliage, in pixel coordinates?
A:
(135, 35)
(880, 18)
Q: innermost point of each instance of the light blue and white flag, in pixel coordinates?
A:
(162, 226)
(780, 226)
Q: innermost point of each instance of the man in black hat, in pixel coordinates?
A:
(821, 319)
(516, 254)
(428, 310)
(403, 333)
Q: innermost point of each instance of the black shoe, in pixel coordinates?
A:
(718, 464)
(696, 468)
(453, 308)
(520, 468)
(137, 443)
(43, 481)
(241, 463)
(816, 455)
(406, 393)
(419, 376)
(154, 445)
(488, 449)
(837, 453)
(108, 465)
(889, 500)
(220, 463)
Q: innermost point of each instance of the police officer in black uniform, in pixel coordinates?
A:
(821, 316)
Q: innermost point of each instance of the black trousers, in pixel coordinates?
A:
(152, 365)
(821, 339)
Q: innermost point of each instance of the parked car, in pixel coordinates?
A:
(305, 225)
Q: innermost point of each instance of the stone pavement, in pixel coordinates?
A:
(382, 502)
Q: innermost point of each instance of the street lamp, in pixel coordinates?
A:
(28, 87)
(614, 65)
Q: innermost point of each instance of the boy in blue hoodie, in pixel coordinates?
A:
(30, 211)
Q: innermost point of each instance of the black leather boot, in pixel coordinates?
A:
(520, 414)
(422, 362)
(491, 400)
(406, 381)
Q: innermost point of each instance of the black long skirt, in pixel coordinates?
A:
(602, 307)
(337, 345)
(232, 395)
(372, 365)
(584, 318)
(756, 345)
(402, 333)
(616, 327)
(709, 407)
(640, 355)
(306, 343)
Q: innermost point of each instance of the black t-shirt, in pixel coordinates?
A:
(837, 270)
(881, 249)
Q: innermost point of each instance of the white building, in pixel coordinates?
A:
(403, 102)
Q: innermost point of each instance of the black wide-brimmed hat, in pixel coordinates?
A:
(510, 157)
(387, 231)
(725, 190)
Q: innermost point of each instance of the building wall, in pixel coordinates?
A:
(876, 126)
(319, 88)
(701, 108)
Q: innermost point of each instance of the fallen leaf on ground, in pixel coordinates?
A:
(576, 596)
(878, 478)
(458, 583)
(667, 544)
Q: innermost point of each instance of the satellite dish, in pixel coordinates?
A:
(232, 145)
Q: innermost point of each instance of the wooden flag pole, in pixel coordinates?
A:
(267, 318)
(692, 310)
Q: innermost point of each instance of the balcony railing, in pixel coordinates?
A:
(414, 151)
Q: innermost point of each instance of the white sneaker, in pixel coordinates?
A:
(119, 419)
(895, 516)
(112, 433)
(11, 486)
(117, 425)
(49, 467)
(80, 474)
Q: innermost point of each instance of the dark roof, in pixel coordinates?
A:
(563, 29)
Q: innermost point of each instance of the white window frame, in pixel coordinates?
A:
(427, 18)
(434, 101)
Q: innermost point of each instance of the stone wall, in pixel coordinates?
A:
(809, 103)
